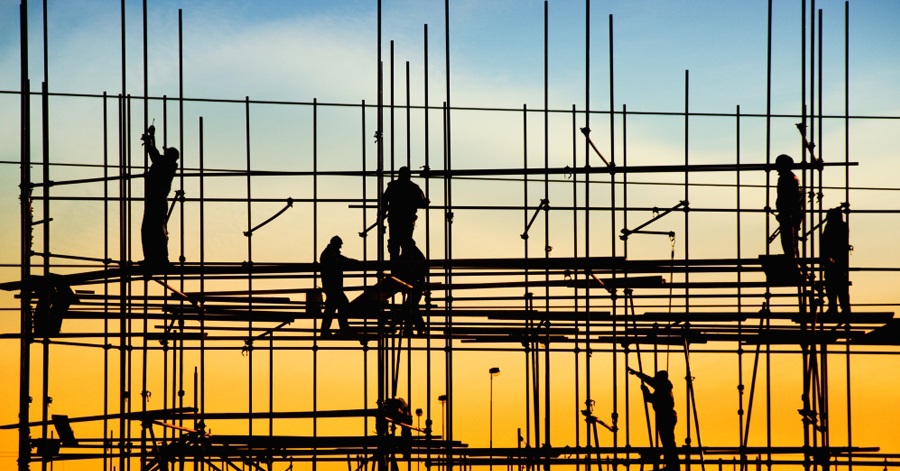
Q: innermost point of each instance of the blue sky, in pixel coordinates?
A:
(279, 50)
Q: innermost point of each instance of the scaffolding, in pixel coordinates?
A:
(568, 299)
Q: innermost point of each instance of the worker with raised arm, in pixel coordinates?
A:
(663, 402)
(157, 185)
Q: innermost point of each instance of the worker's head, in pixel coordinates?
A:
(661, 375)
(834, 215)
(336, 241)
(784, 162)
(171, 153)
(403, 173)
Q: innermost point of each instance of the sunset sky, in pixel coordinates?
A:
(283, 55)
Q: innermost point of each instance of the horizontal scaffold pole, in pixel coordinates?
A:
(484, 172)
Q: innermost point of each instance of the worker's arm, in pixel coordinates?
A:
(648, 396)
(640, 375)
(149, 139)
(385, 197)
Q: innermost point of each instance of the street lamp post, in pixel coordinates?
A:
(418, 427)
(493, 372)
(443, 399)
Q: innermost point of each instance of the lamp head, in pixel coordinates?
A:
(494, 371)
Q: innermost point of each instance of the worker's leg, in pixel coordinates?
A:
(328, 314)
(342, 304)
(666, 430)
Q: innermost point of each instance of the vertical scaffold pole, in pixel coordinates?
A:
(249, 346)
(391, 98)
(448, 229)
(393, 347)
(546, 230)
(824, 414)
(365, 347)
(575, 295)
(687, 308)
(847, 200)
(587, 215)
(806, 346)
(106, 297)
(740, 326)
(202, 279)
(166, 319)
(315, 244)
(428, 384)
(526, 297)
(45, 211)
(179, 341)
(628, 298)
(178, 344)
(379, 140)
(123, 253)
(144, 349)
(768, 297)
(24, 456)
(612, 229)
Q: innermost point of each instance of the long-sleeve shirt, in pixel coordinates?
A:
(332, 268)
(789, 200)
(158, 183)
(402, 198)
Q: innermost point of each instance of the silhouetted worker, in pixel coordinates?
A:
(788, 203)
(412, 268)
(835, 258)
(663, 402)
(396, 412)
(332, 265)
(402, 198)
(157, 185)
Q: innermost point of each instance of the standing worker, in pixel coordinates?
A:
(157, 185)
(402, 198)
(789, 204)
(663, 402)
(332, 265)
(834, 253)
